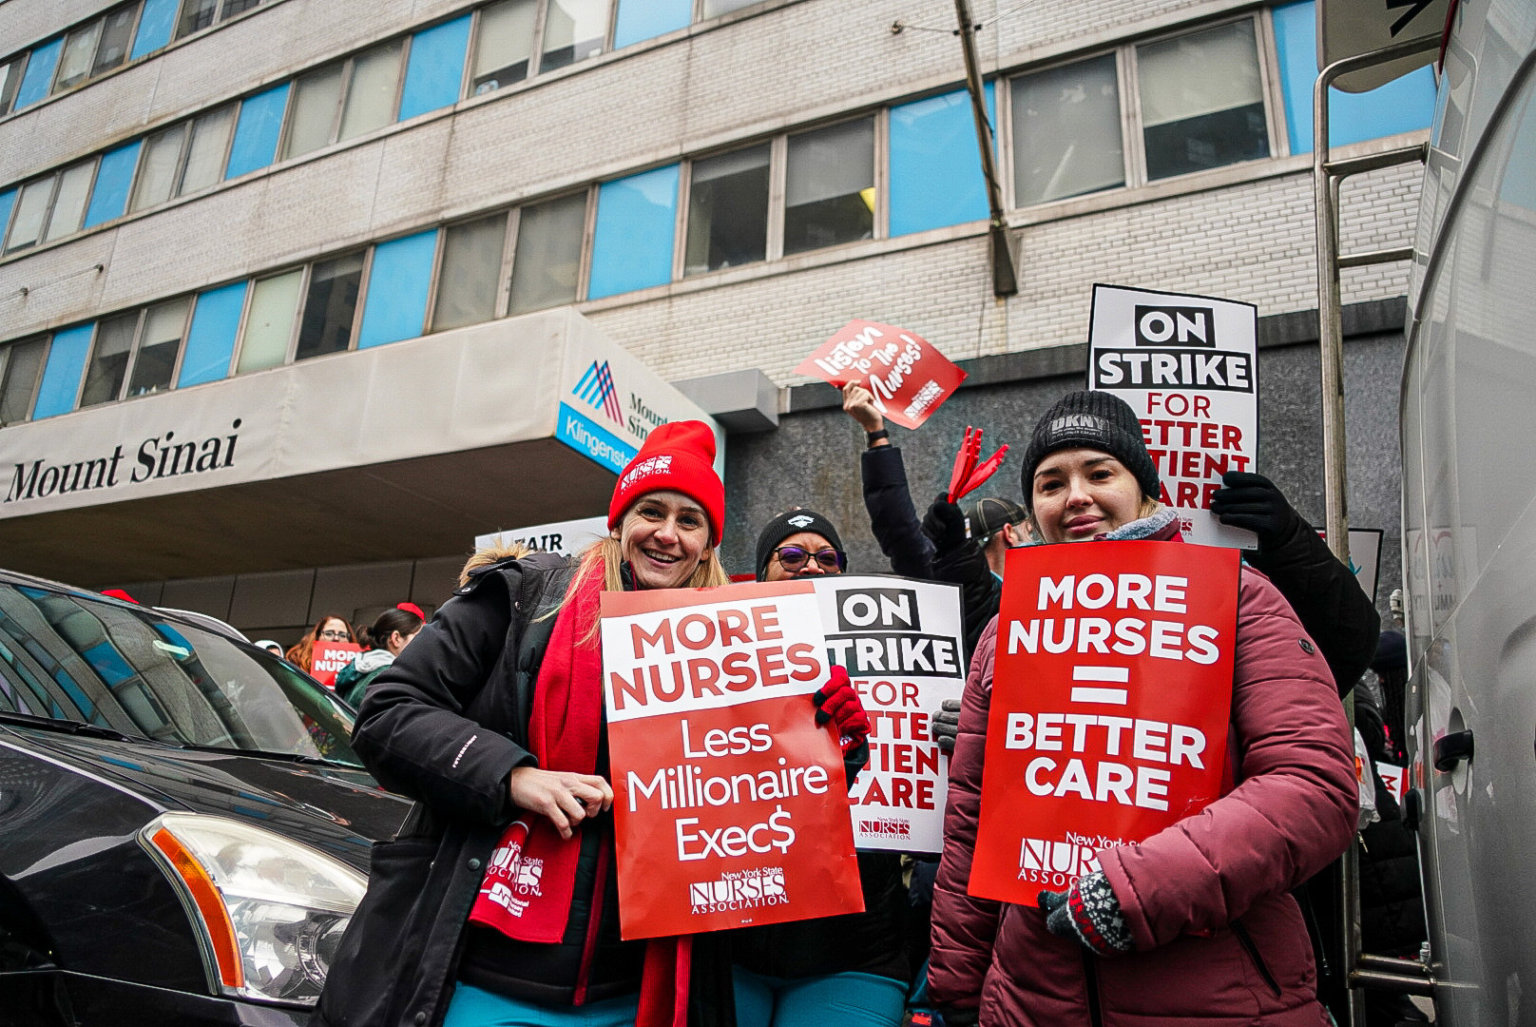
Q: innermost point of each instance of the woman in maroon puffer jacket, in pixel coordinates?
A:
(1194, 924)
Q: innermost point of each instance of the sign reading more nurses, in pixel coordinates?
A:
(1187, 365)
(730, 803)
(328, 659)
(900, 642)
(905, 374)
(1110, 700)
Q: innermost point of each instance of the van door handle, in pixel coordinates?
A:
(1451, 749)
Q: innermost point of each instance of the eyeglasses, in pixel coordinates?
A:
(792, 558)
(334, 635)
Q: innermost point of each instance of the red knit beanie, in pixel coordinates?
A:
(678, 455)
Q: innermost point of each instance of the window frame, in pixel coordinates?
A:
(778, 178)
(1132, 140)
(6, 349)
(536, 51)
(357, 308)
(514, 230)
(348, 65)
(245, 313)
(135, 7)
(141, 315)
(220, 15)
(56, 178)
(17, 63)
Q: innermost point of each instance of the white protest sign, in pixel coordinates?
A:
(900, 641)
(568, 538)
(1188, 366)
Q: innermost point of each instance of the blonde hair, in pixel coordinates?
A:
(489, 555)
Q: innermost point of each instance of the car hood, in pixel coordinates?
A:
(335, 808)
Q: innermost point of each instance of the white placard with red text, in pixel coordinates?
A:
(730, 803)
(1188, 366)
(901, 642)
(905, 374)
(1109, 707)
(328, 658)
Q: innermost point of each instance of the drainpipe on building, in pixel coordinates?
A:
(1004, 278)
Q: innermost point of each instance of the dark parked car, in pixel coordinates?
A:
(184, 828)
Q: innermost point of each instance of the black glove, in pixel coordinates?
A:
(945, 725)
(1252, 501)
(944, 524)
(954, 1016)
(1088, 912)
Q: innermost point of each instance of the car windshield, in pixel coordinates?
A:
(75, 657)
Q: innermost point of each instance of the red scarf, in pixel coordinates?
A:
(528, 885)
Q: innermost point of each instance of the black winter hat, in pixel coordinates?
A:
(792, 522)
(1093, 420)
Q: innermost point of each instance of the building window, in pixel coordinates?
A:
(503, 45)
(546, 267)
(1066, 131)
(269, 321)
(715, 8)
(344, 100)
(51, 207)
(728, 210)
(1202, 100)
(183, 159)
(560, 32)
(330, 306)
(1197, 100)
(829, 190)
(199, 14)
(470, 272)
(574, 30)
(10, 81)
(135, 354)
(21, 366)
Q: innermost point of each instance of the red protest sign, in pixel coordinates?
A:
(1110, 701)
(327, 659)
(907, 376)
(730, 806)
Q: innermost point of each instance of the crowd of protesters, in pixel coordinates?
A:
(494, 712)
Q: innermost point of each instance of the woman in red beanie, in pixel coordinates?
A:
(493, 721)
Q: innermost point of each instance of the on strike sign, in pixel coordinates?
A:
(1187, 365)
(900, 641)
(1110, 701)
(906, 375)
(730, 805)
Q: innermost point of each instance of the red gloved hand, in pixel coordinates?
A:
(837, 702)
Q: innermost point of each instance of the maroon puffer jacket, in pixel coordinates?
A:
(1218, 939)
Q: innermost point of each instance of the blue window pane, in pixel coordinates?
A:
(1403, 105)
(7, 201)
(632, 243)
(936, 175)
(155, 24)
(39, 76)
(211, 340)
(114, 177)
(61, 375)
(261, 121)
(435, 69)
(397, 290)
(646, 19)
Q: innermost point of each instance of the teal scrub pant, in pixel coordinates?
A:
(845, 999)
(473, 1007)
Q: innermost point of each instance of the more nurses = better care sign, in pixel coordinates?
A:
(1110, 699)
(730, 803)
(1188, 366)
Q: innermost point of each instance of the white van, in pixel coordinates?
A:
(1468, 410)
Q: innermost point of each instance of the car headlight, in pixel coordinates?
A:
(271, 910)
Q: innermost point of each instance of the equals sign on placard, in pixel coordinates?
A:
(1101, 676)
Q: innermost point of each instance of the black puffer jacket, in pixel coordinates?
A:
(1327, 598)
(445, 725)
(892, 517)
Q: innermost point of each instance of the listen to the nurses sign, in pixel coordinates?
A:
(1109, 708)
(730, 804)
(1188, 366)
(906, 375)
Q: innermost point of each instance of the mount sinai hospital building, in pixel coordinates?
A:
(298, 297)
